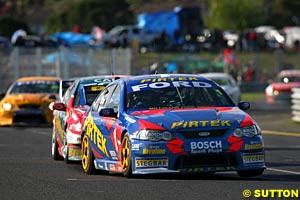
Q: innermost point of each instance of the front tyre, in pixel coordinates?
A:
(126, 157)
(87, 156)
(250, 173)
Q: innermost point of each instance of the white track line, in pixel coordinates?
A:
(283, 171)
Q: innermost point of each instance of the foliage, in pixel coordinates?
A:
(235, 14)
(63, 15)
(283, 13)
(9, 25)
(89, 13)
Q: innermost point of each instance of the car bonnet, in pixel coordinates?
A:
(196, 118)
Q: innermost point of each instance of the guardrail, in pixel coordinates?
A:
(296, 104)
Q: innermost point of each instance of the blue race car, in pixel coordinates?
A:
(170, 123)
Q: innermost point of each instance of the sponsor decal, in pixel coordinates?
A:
(166, 79)
(129, 119)
(253, 147)
(201, 123)
(214, 146)
(113, 155)
(135, 147)
(153, 162)
(74, 152)
(105, 80)
(97, 88)
(112, 167)
(170, 82)
(251, 159)
(154, 151)
(95, 134)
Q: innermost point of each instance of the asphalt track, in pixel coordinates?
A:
(27, 170)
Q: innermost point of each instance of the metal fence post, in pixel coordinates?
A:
(15, 60)
(57, 64)
(38, 62)
(113, 60)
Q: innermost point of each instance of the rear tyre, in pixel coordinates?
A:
(126, 157)
(66, 151)
(87, 156)
(54, 148)
(250, 173)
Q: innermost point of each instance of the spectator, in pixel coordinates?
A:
(252, 39)
(76, 29)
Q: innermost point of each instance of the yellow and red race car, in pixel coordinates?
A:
(27, 99)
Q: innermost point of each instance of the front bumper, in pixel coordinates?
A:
(26, 116)
(149, 157)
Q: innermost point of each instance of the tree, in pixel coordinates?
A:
(235, 14)
(89, 13)
(283, 13)
(9, 25)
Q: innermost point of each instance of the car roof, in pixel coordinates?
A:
(289, 72)
(38, 78)
(215, 75)
(159, 76)
(91, 79)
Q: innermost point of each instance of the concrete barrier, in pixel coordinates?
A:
(295, 108)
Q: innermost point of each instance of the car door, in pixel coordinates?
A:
(61, 116)
(109, 127)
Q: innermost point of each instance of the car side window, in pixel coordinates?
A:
(103, 97)
(114, 100)
(77, 96)
(68, 94)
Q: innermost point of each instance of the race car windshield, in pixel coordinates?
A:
(35, 87)
(91, 92)
(288, 79)
(177, 97)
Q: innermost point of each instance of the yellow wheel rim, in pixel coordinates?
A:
(85, 153)
(125, 156)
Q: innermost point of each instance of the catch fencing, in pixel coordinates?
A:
(61, 62)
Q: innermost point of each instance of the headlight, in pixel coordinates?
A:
(269, 90)
(247, 131)
(7, 106)
(154, 135)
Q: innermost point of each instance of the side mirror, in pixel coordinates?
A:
(107, 112)
(244, 105)
(2, 95)
(57, 106)
(52, 96)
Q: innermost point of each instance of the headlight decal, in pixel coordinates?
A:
(175, 146)
(143, 124)
(235, 143)
(247, 121)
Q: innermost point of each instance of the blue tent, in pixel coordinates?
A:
(159, 21)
